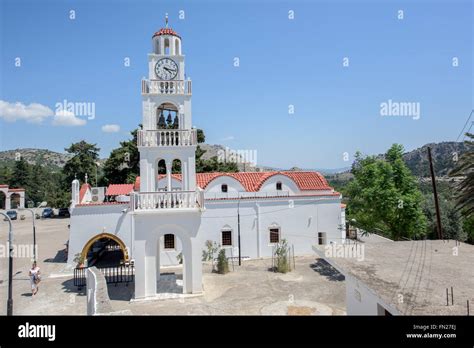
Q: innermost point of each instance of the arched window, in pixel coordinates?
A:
(278, 186)
(274, 235)
(226, 237)
(167, 47)
(157, 46)
(176, 47)
(167, 117)
(224, 188)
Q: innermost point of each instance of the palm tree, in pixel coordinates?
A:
(465, 188)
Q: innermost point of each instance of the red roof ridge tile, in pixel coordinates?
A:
(253, 181)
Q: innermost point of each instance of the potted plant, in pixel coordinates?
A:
(79, 260)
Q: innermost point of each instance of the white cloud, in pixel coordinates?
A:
(32, 113)
(111, 128)
(68, 119)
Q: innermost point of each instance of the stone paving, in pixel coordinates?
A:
(313, 288)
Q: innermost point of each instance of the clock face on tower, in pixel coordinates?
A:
(166, 69)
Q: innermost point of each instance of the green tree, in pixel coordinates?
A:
(84, 161)
(5, 174)
(384, 197)
(21, 174)
(122, 166)
(468, 226)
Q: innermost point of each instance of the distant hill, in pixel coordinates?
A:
(444, 158)
(46, 158)
(220, 151)
(416, 160)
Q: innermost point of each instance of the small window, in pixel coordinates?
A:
(274, 235)
(169, 241)
(226, 238)
(321, 238)
(279, 186)
(224, 188)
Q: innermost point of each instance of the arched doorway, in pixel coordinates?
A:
(15, 201)
(178, 261)
(105, 250)
(185, 278)
(3, 199)
(170, 264)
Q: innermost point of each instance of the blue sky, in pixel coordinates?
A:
(283, 62)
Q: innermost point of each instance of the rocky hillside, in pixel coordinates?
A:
(444, 155)
(220, 151)
(46, 158)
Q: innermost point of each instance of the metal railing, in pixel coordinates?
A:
(167, 137)
(113, 275)
(145, 201)
(167, 87)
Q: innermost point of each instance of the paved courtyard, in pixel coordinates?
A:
(311, 288)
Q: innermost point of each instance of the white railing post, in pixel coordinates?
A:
(166, 87)
(158, 137)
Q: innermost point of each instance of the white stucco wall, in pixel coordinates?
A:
(360, 300)
(299, 219)
(90, 220)
(233, 185)
(287, 184)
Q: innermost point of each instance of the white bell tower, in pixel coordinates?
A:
(167, 135)
(164, 207)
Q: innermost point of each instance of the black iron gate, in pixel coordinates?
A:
(113, 275)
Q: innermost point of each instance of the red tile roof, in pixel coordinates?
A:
(166, 31)
(83, 191)
(119, 189)
(253, 181)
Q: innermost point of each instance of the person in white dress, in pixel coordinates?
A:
(35, 278)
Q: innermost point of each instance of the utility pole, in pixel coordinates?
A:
(10, 265)
(238, 230)
(435, 193)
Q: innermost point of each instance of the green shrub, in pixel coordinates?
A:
(222, 263)
(212, 247)
(281, 254)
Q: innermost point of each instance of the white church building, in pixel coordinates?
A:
(166, 219)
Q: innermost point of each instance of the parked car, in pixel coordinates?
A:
(64, 212)
(47, 213)
(12, 215)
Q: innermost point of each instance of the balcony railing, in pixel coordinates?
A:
(149, 201)
(167, 87)
(167, 137)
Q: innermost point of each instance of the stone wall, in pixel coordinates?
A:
(98, 302)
